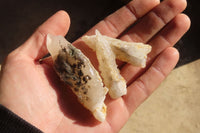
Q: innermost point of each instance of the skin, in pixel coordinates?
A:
(34, 92)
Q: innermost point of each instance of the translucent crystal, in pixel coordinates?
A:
(75, 69)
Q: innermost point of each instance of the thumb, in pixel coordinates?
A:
(35, 47)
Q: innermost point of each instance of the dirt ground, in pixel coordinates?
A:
(173, 108)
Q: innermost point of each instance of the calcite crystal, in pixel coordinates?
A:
(107, 50)
(131, 52)
(75, 69)
(108, 67)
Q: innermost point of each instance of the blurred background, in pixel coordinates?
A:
(173, 108)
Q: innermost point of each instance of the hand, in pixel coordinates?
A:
(34, 92)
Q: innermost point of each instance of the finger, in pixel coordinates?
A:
(35, 47)
(116, 23)
(165, 38)
(155, 20)
(169, 35)
(139, 90)
(152, 23)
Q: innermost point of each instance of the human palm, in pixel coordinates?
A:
(33, 91)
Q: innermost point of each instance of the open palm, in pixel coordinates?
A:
(33, 91)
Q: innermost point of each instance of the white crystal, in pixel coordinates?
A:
(108, 67)
(131, 52)
(96, 94)
(107, 50)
